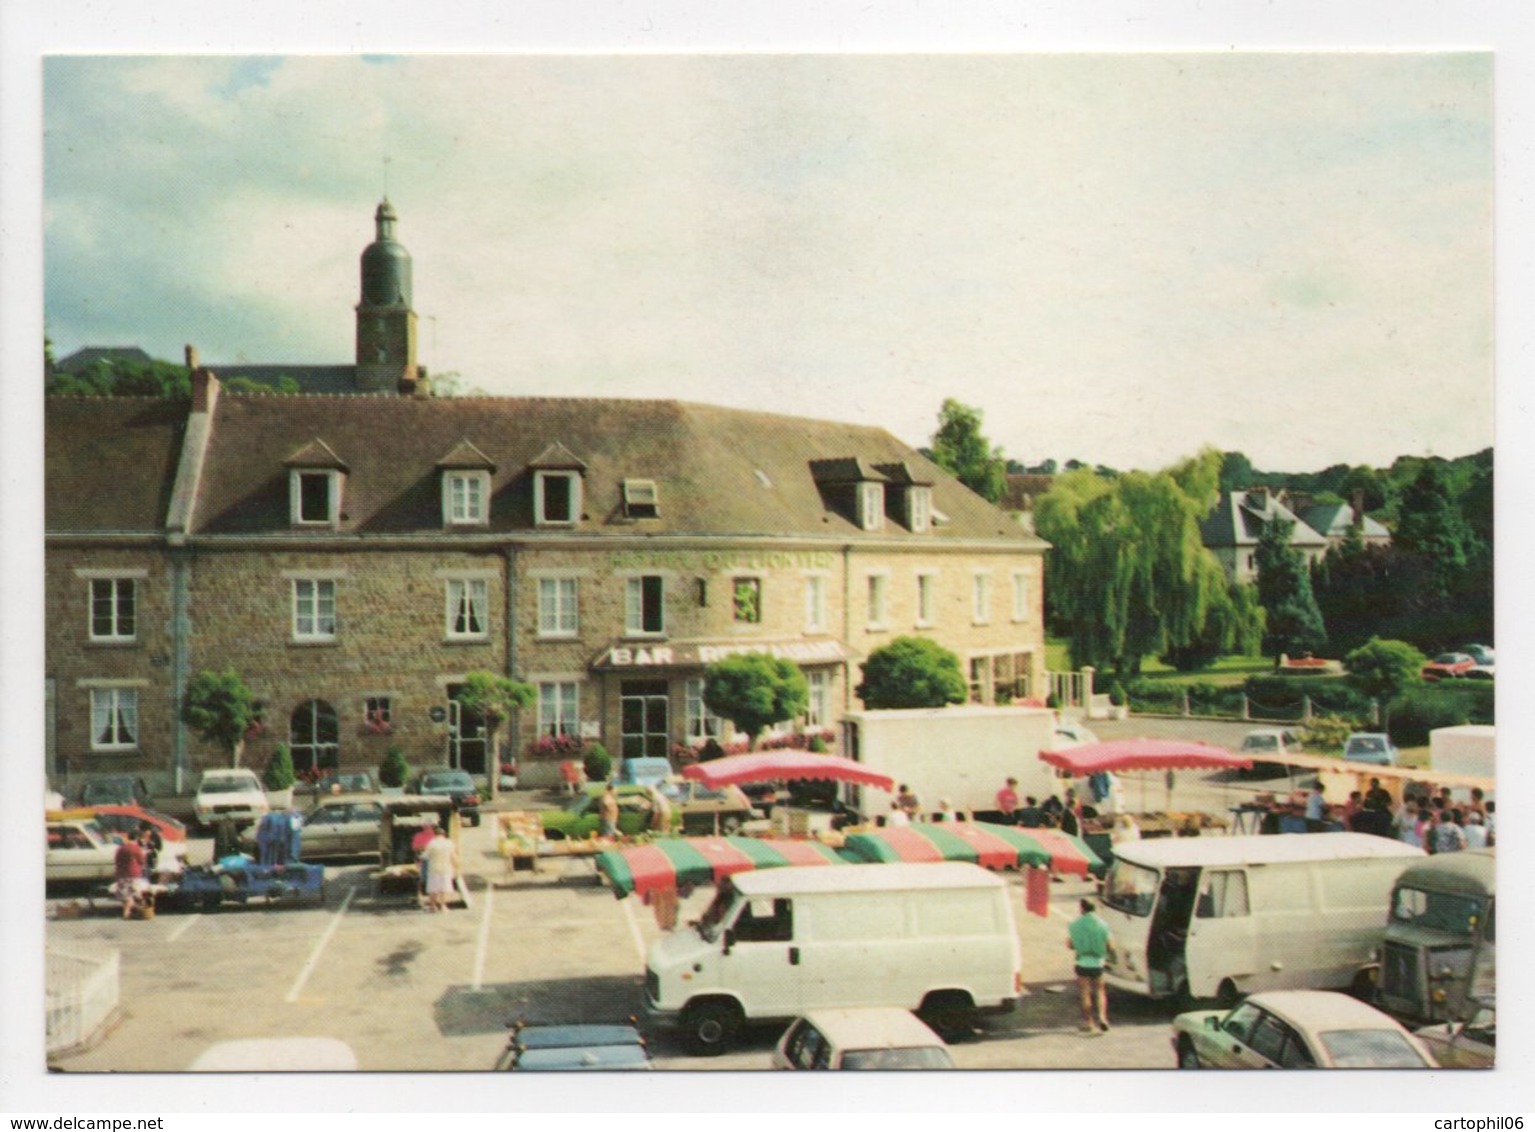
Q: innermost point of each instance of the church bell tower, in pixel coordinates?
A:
(386, 325)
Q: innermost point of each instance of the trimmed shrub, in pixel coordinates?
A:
(394, 770)
(279, 769)
(1329, 732)
(1445, 704)
(816, 744)
(597, 763)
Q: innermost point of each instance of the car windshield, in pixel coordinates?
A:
(1370, 1049)
(1438, 911)
(1366, 743)
(1261, 743)
(1130, 888)
(228, 786)
(718, 911)
(915, 1057)
(1448, 658)
(456, 781)
(107, 791)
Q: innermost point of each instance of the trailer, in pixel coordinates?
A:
(958, 754)
(1470, 749)
(238, 881)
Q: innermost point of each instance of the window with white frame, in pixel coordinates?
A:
(871, 506)
(468, 609)
(980, 678)
(818, 703)
(702, 724)
(556, 498)
(114, 719)
(557, 610)
(559, 708)
(877, 600)
(314, 609)
(925, 591)
(982, 610)
(465, 498)
(641, 500)
(114, 609)
(315, 497)
(919, 508)
(815, 604)
(1020, 596)
(644, 605)
(377, 715)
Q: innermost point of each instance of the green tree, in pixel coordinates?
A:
(219, 708)
(960, 448)
(1384, 669)
(496, 699)
(1294, 623)
(279, 769)
(911, 672)
(1236, 471)
(1429, 523)
(1128, 575)
(394, 770)
(754, 690)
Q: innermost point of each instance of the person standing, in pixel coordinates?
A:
(440, 861)
(1475, 832)
(910, 805)
(660, 811)
(1007, 801)
(128, 870)
(607, 812)
(1091, 941)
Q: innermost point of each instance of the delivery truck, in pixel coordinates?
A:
(958, 754)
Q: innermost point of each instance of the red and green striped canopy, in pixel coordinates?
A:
(673, 861)
(981, 843)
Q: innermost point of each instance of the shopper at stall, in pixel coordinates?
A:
(1007, 801)
(128, 869)
(440, 861)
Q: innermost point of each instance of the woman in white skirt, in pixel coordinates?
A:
(440, 859)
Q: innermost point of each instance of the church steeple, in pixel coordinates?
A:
(386, 324)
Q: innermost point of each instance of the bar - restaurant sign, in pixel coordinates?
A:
(693, 654)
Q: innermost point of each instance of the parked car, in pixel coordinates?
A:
(1266, 746)
(1297, 1029)
(1480, 672)
(1371, 747)
(340, 825)
(229, 793)
(1482, 654)
(697, 808)
(580, 818)
(78, 850)
(126, 820)
(115, 790)
(1448, 666)
(449, 783)
(577, 1047)
(1463, 1045)
(864, 1038)
(336, 781)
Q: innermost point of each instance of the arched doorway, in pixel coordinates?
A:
(314, 736)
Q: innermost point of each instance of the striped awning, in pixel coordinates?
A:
(981, 843)
(672, 862)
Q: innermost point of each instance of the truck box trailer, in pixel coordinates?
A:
(1469, 749)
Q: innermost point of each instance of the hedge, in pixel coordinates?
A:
(1329, 696)
(1444, 704)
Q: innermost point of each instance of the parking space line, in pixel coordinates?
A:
(482, 945)
(634, 929)
(181, 929)
(319, 948)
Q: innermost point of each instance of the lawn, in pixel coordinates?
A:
(1226, 670)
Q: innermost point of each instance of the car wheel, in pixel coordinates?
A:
(553, 835)
(1227, 995)
(948, 1014)
(730, 823)
(711, 1026)
(1187, 1058)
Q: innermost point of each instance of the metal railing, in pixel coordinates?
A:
(81, 990)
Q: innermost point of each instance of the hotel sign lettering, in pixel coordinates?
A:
(694, 655)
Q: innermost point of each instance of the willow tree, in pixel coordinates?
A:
(1128, 573)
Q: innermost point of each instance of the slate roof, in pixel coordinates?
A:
(109, 462)
(717, 470)
(1238, 520)
(1332, 521)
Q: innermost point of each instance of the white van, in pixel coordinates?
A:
(935, 938)
(1222, 917)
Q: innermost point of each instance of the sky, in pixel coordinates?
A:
(1118, 258)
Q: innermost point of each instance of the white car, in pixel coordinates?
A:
(1297, 1029)
(79, 851)
(1267, 746)
(867, 1038)
(235, 794)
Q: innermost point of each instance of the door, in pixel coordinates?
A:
(466, 734)
(1221, 944)
(644, 712)
(1167, 941)
(762, 965)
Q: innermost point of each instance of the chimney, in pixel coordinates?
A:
(191, 355)
(205, 388)
(1357, 502)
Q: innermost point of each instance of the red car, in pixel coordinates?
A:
(1448, 666)
(125, 820)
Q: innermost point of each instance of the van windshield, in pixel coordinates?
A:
(715, 914)
(1130, 888)
(1437, 911)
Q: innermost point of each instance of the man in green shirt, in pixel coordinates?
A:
(1089, 938)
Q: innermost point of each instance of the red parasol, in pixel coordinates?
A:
(784, 766)
(1142, 754)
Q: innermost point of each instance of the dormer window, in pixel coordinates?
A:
(556, 498)
(641, 500)
(315, 477)
(315, 497)
(919, 508)
(871, 506)
(465, 497)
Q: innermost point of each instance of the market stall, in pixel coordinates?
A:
(677, 862)
(981, 843)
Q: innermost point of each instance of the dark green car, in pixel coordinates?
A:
(581, 817)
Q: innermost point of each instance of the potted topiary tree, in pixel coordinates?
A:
(279, 778)
(597, 763)
(394, 770)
